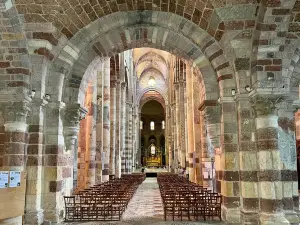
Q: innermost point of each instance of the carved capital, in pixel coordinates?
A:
(72, 116)
(296, 105)
(123, 85)
(266, 104)
(15, 111)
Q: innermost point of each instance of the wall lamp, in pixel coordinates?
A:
(47, 97)
(233, 92)
(32, 94)
(248, 88)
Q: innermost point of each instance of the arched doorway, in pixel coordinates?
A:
(152, 115)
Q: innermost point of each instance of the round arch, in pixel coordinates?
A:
(148, 57)
(187, 41)
(154, 95)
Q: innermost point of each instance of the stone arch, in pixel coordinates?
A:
(149, 55)
(154, 70)
(155, 89)
(140, 29)
(152, 95)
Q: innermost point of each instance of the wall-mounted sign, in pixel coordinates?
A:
(4, 179)
(14, 179)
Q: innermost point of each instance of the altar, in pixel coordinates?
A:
(154, 157)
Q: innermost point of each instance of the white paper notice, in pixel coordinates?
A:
(205, 175)
(4, 179)
(15, 179)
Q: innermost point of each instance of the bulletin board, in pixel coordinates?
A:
(12, 199)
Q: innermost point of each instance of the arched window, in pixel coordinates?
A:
(163, 124)
(141, 125)
(151, 125)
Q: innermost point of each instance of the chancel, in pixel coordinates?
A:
(149, 112)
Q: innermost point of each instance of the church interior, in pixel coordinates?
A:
(149, 112)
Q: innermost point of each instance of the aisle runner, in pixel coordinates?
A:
(146, 202)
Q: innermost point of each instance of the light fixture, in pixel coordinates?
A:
(270, 76)
(47, 97)
(151, 81)
(233, 92)
(32, 94)
(248, 88)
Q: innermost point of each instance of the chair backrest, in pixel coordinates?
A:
(69, 201)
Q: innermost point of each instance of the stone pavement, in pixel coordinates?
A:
(145, 208)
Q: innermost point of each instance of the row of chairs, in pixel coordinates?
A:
(186, 200)
(102, 202)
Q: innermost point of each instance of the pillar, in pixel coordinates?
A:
(99, 128)
(190, 125)
(177, 127)
(227, 166)
(128, 138)
(118, 131)
(112, 127)
(56, 159)
(197, 127)
(106, 119)
(247, 161)
(73, 113)
(269, 174)
(123, 126)
(34, 167)
(15, 141)
(90, 137)
(182, 135)
(288, 155)
(212, 117)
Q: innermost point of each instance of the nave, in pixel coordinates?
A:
(146, 208)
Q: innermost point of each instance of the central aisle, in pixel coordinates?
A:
(145, 208)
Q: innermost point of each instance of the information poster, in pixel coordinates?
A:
(4, 179)
(14, 179)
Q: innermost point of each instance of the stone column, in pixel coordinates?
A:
(56, 159)
(190, 126)
(212, 117)
(123, 126)
(177, 126)
(112, 127)
(197, 128)
(15, 141)
(227, 162)
(90, 137)
(181, 125)
(118, 131)
(247, 160)
(73, 113)
(269, 172)
(34, 167)
(99, 128)
(288, 155)
(174, 150)
(128, 138)
(106, 122)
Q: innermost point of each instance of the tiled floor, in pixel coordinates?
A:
(145, 208)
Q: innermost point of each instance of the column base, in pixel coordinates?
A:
(231, 215)
(249, 218)
(273, 219)
(12, 221)
(34, 218)
(292, 216)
